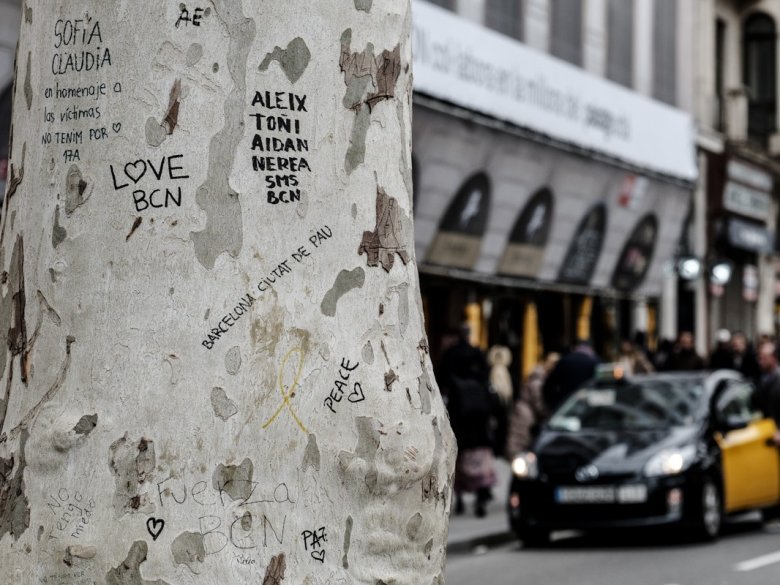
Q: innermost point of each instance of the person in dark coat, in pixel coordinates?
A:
(573, 370)
(684, 356)
(474, 409)
(768, 395)
(722, 357)
(744, 358)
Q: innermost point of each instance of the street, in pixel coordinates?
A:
(746, 554)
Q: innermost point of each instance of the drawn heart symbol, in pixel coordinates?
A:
(357, 394)
(318, 556)
(155, 527)
(135, 170)
(116, 127)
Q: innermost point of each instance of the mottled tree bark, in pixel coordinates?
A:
(216, 369)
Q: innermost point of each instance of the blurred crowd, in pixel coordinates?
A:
(490, 418)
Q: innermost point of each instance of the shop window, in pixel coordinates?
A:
(585, 247)
(459, 240)
(505, 16)
(566, 30)
(665, 51)
(759, 63)
(620, 44)
(527, 241)
(637, 255)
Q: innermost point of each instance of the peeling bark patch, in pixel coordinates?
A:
(428, 548)
(274, 574)
(364, 5)
(174, 103)
(368, 353)
(132, 464)
(223, 233)
(430, 483)
(28, 90)
(223, 407)
(129, 571)
(28, 15)
(76, 551)
(235, 481)
(136, 225)
(15, 175)
(424, 389)
(346, 281)
(86, 424)
(381, 245)
(188, 549)
(194, 54)
(58, 233)
(155, 133)
(347, 542)
(75, 188)
(158, 132)
(233, 360)
(369, 79)
(293, 60)
(363, 459)
(413, 526)
(390, 377)
(14, 505)
(311, 457)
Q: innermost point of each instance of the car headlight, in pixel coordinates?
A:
(670, 461)
(524, 466)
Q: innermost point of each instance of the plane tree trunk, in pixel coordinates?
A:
(216, 369)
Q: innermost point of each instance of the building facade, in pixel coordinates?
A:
(555, 166)
(736, 112)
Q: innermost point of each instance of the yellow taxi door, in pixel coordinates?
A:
(751, 464)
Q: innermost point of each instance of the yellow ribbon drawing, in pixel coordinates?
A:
(288, 393)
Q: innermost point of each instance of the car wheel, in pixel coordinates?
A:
(534, 537)
(709, 512)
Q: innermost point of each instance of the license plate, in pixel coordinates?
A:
(602, 494)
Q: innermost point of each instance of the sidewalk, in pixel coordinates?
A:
(468, 532)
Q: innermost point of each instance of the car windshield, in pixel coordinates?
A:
(645, 405)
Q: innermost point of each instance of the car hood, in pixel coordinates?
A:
(615, 452)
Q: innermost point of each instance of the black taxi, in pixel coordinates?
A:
(679, 449)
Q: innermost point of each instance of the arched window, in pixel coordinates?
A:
(760, 58)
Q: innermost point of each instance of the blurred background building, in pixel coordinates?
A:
(555, 163)
(572, 156)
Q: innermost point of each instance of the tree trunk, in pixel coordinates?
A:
(216, 368)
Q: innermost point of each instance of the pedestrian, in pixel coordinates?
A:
(744, 358)
(768, 396)
(474, 408)
(528, 412)
(573, 370)
(722, 356)
(633, 360)
(684, 356)
(500, 358)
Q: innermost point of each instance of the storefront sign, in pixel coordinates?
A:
(525, 250)
(466, 64)
(749, 236)
(746, 201)
(750, 175)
